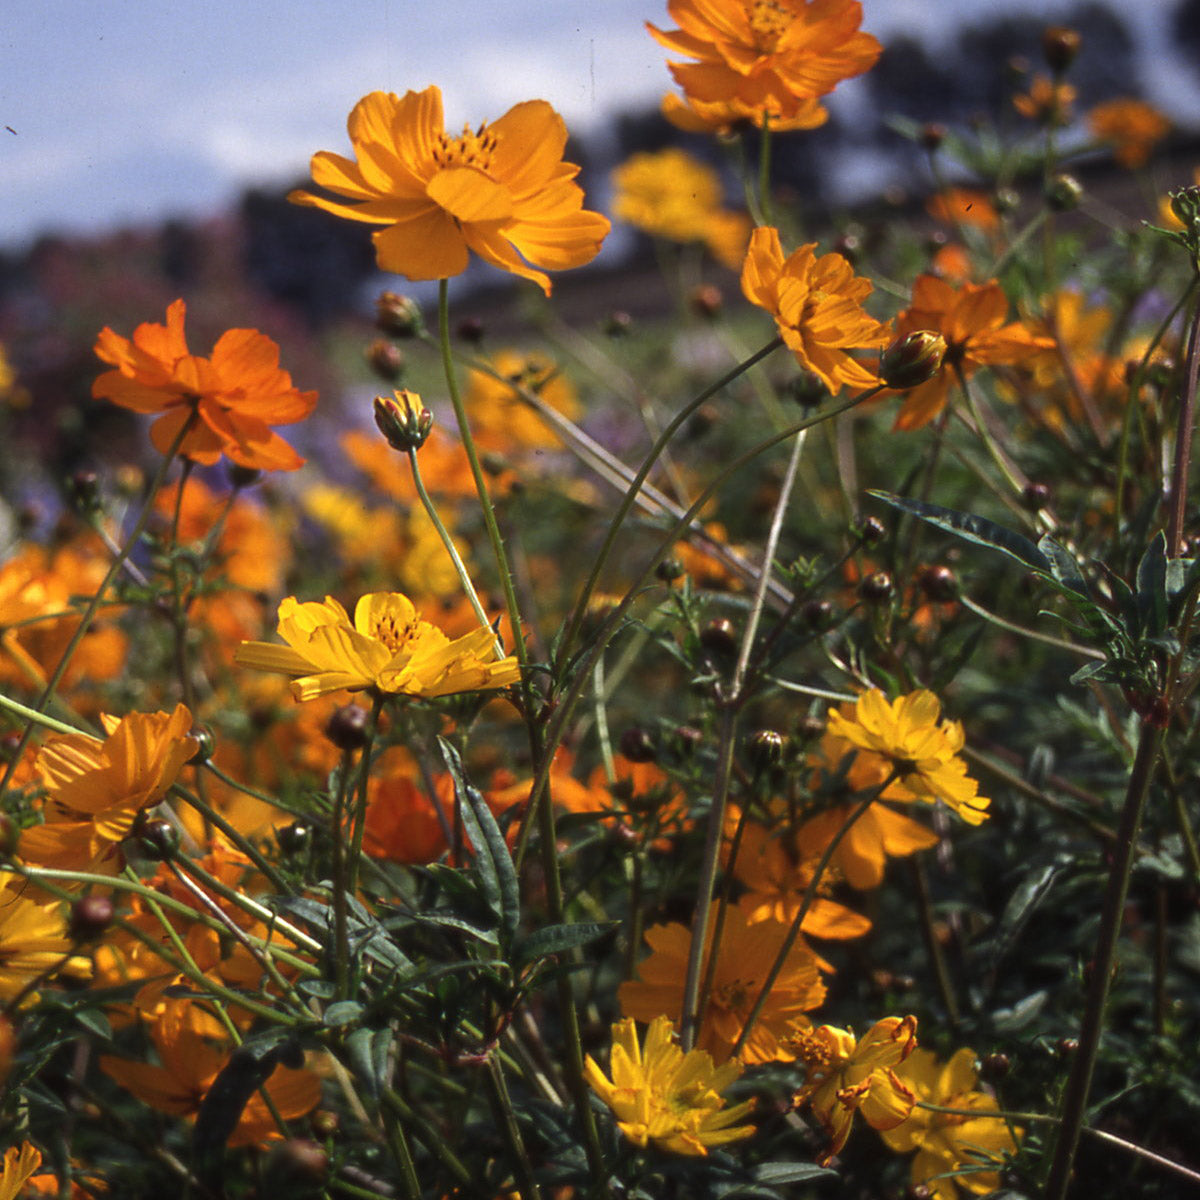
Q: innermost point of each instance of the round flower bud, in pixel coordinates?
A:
(470, 330)
(298, 1166)
(398, 316)
(618, 323)
(1185, 204)
(1067, 1046)
(912, 359)
(638, 746)
(158, 838)
(669, 569)
(939, 583)
(993, 1067)
(872, 531)
(689, 739)
(205, 743)
(90, 917)
(766, 748)
(347, 728)
(1063, 193)
(403, 419)
(706, 301)
(386, 359)
(1005, 200)
(876, 587)
(323, 1123)
(933, 135)
(719, 637)
(84, 491)
(807, 390)
(293, 838)
(849, 246)
(1035, 497)
(817, 615)
(1059, 47)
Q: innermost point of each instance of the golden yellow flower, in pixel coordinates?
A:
(745, 957)
(670, 194)
(388, 647)
(500, 419)
(501, 191)
(33, 939)
(1048, 102)
(696, 116)
(817, 304)
(97, 789)
(664, 1096)
(19, 1163)
(921, 748)
(951, 1147)
(770, 57)
(1132, 127)
(845, 1076)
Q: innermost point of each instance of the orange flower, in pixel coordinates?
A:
(1132, 127)
(1046, 102)
(33, 940)
(97, 789)
(766, 57)
(502, 191)
(501, 420)
(190, 1065)
(972, 320)
(745, 956)
(964, 206)
(235, 396)
(817, 304)
(697, 116)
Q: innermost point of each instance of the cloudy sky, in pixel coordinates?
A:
(122, 111)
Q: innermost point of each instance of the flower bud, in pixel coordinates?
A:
(766, 747)
(243, 477)
(817, 615)
(1059, 47)
(398, 316)
(669, 569)
(205, 741)
(403, 419)
(994, 1067)
(637, 745)
(719, 637)
(159, 839)
(872, 531)
(90, 917)
(618, 323)
(84, 491)
(876, 587)
(470, 330)
(293, 838)
(912, 359)
(1185, 204)
(939, 584)
(706, 301)
(1035, 497)
(386, 359)
(347, 728)
(933, 135)
(1006, 200)
(1063, 193)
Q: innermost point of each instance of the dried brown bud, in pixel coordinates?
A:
(347, 728)
(403, 419)
(912, 359)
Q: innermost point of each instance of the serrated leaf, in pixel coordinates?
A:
(975, 529)
(492, 860)
(557, 938)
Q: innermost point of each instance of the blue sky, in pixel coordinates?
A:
(128, 111)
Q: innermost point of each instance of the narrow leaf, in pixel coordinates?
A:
(1152, 588)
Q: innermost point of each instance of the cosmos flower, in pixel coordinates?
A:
(922, 749)
(18, 1164)
(1131, 127)
(817, 304)
(96, 790)
(951, 1148)
(388, 647)
(845, 1076)
(33, 940)
(770, 57)
(501, 191)
(236, 395)
(659, 1094)
(744, 959)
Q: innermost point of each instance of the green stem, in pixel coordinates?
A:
(360, 791)
(502, 1109)
(1074, 1103)
(1178, 488)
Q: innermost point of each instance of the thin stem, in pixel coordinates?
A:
(359, 819)
(506, 1119)
(1083, 1066)
(1178, 488)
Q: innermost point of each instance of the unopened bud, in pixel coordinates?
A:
(939, 583)
(706, 301)
(470, 329)
(398, 316)
(618, 323)
(386, 359)
(932, 135)
(912, 359)
(1185, 204)
(159, 839)
(638, 746)
(84, 487)
(205, 741)
(1059, 47)
(766, 747)
(876, 587)
(719, 637)
(90, 917)
(347, 727)
(1063, 193)
(403, 419)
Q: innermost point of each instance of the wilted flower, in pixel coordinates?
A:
(817, 304)
(1131, 127)
(235, 396)
(664, 1096)
(921, 748)
(388, 647)
(845, 1076)
(501, 191)
(766, 57)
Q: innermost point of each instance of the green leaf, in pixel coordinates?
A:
(975, 529)
(774, 1173)
(492, 859)
(557, 938)
(343, 1013)
(1063, 567)
(1012, 1020)
(1152, 599)
(368, 1053)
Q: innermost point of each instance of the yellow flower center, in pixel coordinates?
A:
(769, 21)
(472, 149)
(392, 633)
(736, 995)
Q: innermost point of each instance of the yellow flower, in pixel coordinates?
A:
(697, 116)
(97, 789)
(1047, 102)
(19, 1163)
(388, 647)
(770, 57)
(817, 304)
(950, 1144)
(745, 956)
(501, 420)
(845, 1076)
(502, 190)
(922, 750)
(664, 1096)
(33, 939)
(1131, 126)
(670, 194)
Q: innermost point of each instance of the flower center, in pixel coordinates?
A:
(736, 995)
(392, 633)
(769, 20)
(472, 149)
